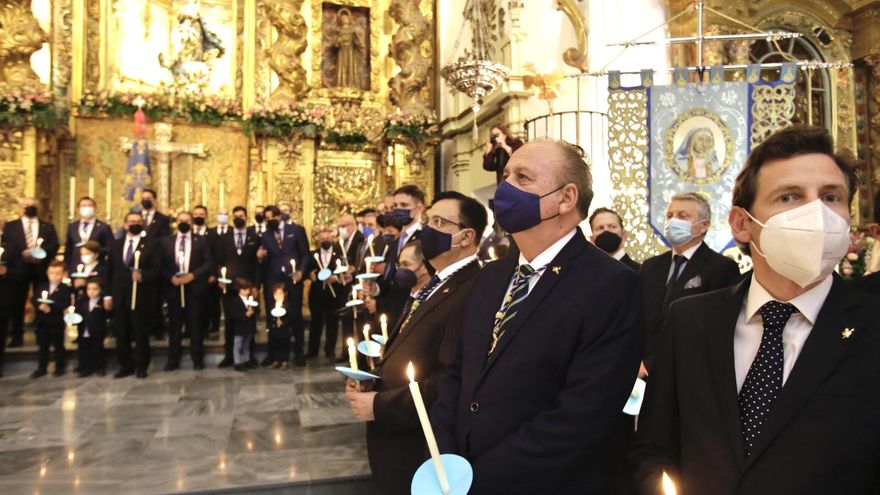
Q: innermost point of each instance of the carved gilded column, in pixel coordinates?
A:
(577, 57)
(21, 37)
(284, 55)
(408, 49)
(874, 122)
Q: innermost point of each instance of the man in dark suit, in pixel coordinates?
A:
(187, 265)
(20, 237)
(282, 243)
(134, 258)
(768, 386)
(238, 254)
(609, 235)
(550, 341)
(869, 283)
(325, 297)
(211, 314)
(350, 238)
(7, 286)
(87, 228)
(690, 268)
(157, 225)
(427, 335)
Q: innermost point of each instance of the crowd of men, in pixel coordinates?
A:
(756, 383)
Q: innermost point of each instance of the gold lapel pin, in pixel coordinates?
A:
(446, 290)
(847, 332)
(556, 269)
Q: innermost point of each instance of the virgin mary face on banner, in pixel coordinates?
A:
(697, 154)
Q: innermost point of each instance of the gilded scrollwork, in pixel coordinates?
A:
(92, 50)
(284, 55)
(20, 36)
(413, 31)
(11, 188)
(341, 186)
(289, 189)
(773, 108)
(577, 57)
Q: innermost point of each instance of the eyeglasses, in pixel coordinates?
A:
(435, 222)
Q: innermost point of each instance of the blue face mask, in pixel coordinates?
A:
(678, 231)
(402, 215)
(367, 231)
(517, 210)
(434, 243)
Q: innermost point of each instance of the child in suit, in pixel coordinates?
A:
(91, 332)
(243, 323)
(49, 319)
(280, 330)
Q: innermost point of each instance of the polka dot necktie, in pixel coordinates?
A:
(764, 379)
(518, 292)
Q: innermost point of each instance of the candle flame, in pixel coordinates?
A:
(39, 242)
(45, 294)
(492, 252)
(383, 319)
(223, 272)
(411, 372)
(80, 267)
(350, 342)
(668, 485)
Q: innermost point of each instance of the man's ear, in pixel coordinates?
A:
(569, 199)
(739, 220)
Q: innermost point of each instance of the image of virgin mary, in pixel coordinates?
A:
(696, 155)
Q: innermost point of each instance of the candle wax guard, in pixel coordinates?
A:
(458, 470)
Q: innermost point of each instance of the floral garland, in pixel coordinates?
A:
(198, 107)
(284, 119)
(857, 260)
(27, 105)
(350, 140)
(417, 127)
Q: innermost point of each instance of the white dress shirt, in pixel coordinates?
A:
(86, 226)
(447, 272)
(326, 255)
(750, 328)
(148, 218)
(619, 254)
(687, 254)
(539, 264)
(407, 234)
(34, 224)
(186, 252)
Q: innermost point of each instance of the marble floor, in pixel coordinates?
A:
(177, 432)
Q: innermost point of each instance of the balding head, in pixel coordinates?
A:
(553, 165)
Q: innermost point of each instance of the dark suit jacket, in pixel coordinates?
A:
(119, 274)
(100, 272)
(295, 245)
(239, 265)
(15, 244)
(318, 291)
(869, 284)
(822, 433)
(95, 320)
(160, 226)
(100, 232)
(539, 415)
(61, 301)
(240, 323)
(357, 240)
(200, 264)
(395, 440)
(715, 271)
(631, 263)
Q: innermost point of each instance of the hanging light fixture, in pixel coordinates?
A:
(475, 74)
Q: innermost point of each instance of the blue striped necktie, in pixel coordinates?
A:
(518, 292)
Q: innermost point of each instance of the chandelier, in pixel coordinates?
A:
(475, 74)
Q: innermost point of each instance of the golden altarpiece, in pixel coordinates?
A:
(248, 102)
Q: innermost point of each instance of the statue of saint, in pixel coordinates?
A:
(197, 48)
(348, 47)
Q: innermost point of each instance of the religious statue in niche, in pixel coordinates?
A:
(346, 47)
(196, 49)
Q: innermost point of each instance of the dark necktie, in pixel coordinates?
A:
(238, 240)
(764, 379)
(679, 261)
(421, 296)
(278, 238)
(129, 253)
(518, 292)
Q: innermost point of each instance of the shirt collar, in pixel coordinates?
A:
(458, 265)
(619, 254)
(412, 229)
(690, 251)
(808, 304)
(548, 254)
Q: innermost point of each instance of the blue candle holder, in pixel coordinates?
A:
(459, 474)
(358, 375)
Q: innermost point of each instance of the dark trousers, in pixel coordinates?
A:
(90, 353)
(50, 337)
(349, 326)
(6, 305)
(323, 312)
(156, 317)
(211, 318)
(279, 345)
(132, 327)
(19, 300)
(295, 299)
(189, 315)
(228, 335)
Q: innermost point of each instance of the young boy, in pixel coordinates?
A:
(90, 345)
(243, 323)
(49, 318)
(280, 330)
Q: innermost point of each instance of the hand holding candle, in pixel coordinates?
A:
(182, 260)
(426, 428)
(223, 276)
(383, 321)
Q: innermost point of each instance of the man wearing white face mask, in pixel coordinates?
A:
(87, 228)
(770, 386)
(690, 268)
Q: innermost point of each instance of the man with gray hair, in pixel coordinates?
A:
(692, 267)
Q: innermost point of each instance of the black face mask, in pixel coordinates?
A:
(183, 227)
(239, 222)
(326, 245)
(135, 229)
(147, 204)
(608, 241)
(405, 278)
(402, 215)
(272, 224)
(285, 217)
(259, 217)
(30, 211)
(199, 221)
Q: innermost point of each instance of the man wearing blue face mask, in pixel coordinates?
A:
(770, 386)
(690, 268)
(550, 342)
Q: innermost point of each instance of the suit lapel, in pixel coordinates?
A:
(822, 351)
(693, 268)
(721, 360)
(553, 273)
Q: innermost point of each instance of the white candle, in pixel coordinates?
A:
(72, 196)
(318, 260)
(370, 243)
(134, 285)
(186, 187)
(367, 333)
(250, 301)
(667, 485)
(352, 355)
(182, 259)
(223, 276)
(492, 253)
(204, 191)
(91, 187)
(222, 194)
(1, 253)
(45, 295)
(109, 197)
(279, 304)
(369, 268)
(385, 251)
(79, 268)
(426, 428)
(383, 321)
(342, 246)
(40, 242)
(137, 260)
(338, 264)
(292, 267)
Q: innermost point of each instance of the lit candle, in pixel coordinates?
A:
(352, 355)
(186, 187)
(370, 243)
(250, 301)
(72, 196)
(338, 264)
(222, 194)
(667, 485)
(385, 251)
(292, 267)
(223, 276)
(426, 428)
(204, 191)
(134, 284)
(44, 295)
(182, 259)
(1, 253)
(79, 269)
(91, 187)
(369, 267)
(40, 242)
(492, 253)
(383, 321)
(109, 197)
(342, 245)
(279, 304)
(367, 333)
